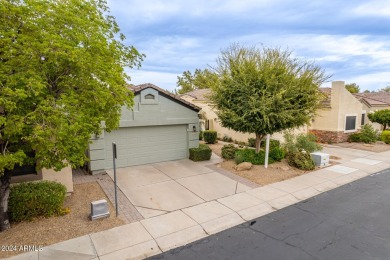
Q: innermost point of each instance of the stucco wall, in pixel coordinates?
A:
(372, 109)
(162, 110)
(222, 131)
(343, 103)
(63, 176)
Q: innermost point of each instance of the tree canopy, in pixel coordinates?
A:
(381, 117)
(201, 79)
(385, 89)
(61, 74)
(263, 91)
(352, 87)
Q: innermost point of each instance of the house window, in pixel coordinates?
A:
(207, 126)
(149, 96)
(363, 119)
(350, 123)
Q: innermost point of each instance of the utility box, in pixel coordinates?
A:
(320, 159)
(99, 209)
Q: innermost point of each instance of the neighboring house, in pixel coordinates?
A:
(210, 121)
(160, 127)
(340, 115)
(373, 102)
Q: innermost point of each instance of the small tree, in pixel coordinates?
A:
(353, 88)
(386, 89)
(263, 91)
(201, 79)
(381, 117)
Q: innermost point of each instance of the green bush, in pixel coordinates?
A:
(251, 142)
(36, 199)
(226, 138)
(277, 153)
(354, 138)
(385, 136)
(301, 160)
(210, 136)
(250, 155)
(202, 153)
(367, 135)
(272, 144)
(300, 142)
(200, 135)
(228, 151)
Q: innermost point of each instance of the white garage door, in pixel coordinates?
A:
(150, 144)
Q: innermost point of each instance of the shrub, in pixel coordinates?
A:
(277, 153)
(210, 136)
(250, 155)
(301, 160)
(354, 138)
(367, 135)
(228, 151)
(227, 138)
(272, 143)
(36, 199)
(200, 135)
(300, 142)
(385, 136)
(251, 142)
(202, 153)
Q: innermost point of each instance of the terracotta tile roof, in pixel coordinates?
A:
(138, 88)
(374, 99)
(199, 94)
(327, 101)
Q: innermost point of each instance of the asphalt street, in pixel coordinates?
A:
(350, 222)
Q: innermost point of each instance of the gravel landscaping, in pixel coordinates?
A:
(43, 232)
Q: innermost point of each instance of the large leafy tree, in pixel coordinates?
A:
(381, 117)
(201, 79)
(353, 88)
(61, 75)
(263, 91)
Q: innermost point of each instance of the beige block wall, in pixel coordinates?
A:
(343, 103)
(63, 176)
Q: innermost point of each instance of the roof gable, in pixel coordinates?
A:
(138, 88)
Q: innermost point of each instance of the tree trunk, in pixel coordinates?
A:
(4, 195)
(258, 141)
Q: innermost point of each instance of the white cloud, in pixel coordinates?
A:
(373, 8)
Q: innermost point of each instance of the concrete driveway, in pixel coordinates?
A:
(156, 189)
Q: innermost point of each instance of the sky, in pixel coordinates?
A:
(349, 39)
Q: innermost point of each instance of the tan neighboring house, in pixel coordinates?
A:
(340, 115)
(209, 119)
(373, 102)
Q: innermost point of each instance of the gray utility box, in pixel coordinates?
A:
(320, 159)
(99, 209)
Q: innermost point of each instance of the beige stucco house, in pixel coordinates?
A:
(341, 114)
(209, 119)
(373, 102)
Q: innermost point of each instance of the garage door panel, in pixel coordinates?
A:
(142, 145)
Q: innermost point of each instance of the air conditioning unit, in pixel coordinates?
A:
(320, 159)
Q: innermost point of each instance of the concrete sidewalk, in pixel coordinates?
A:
(158, 234)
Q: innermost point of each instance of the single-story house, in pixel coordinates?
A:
(373, 102)
(340, 115)
(159, 127)
(209, 119)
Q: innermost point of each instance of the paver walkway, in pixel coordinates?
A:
(157, 234)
